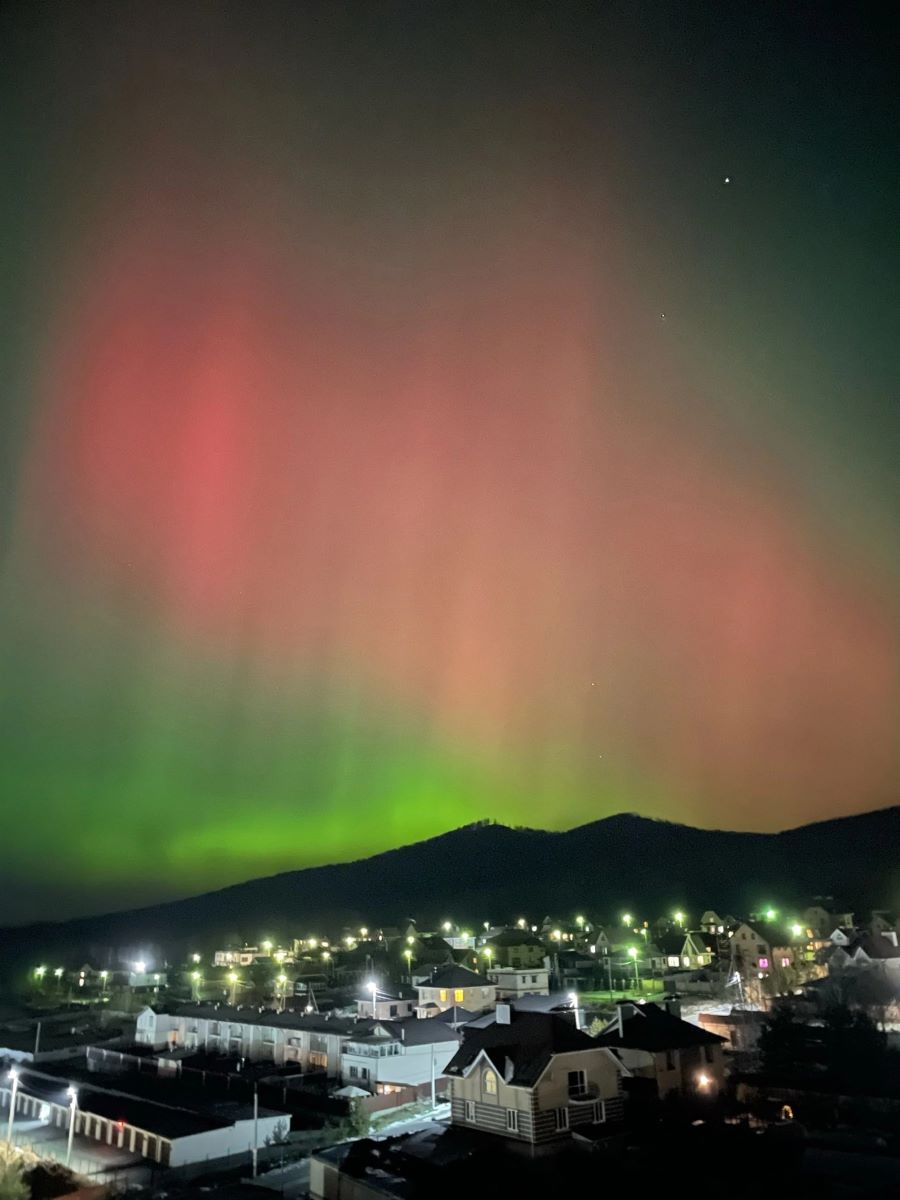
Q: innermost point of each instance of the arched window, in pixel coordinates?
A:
(489, 1082)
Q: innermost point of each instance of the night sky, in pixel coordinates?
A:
(415, 413)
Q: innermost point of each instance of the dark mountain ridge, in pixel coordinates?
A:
(492, 872)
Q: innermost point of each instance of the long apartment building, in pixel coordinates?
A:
(371, 1054)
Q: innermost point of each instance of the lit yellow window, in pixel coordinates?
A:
(443, 994)
(490, 1083)
(459, 995)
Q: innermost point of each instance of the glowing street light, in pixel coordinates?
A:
(410, 940)
(573, 1000)
(195, 958)
(233, 980)
(58, 972)
(267, 946)
(679, 918)
(140, 967)
(579, 921)
(312, 943)
(797, 930)
(407, 954)
(633, 955)
(72, 1093)
(771, 914)
(14, 1080)
(556, 935)
(448, 925)
(488, 952)
(40, 972)
(626, 918)
(363, 932)
(703, 1081)
(521, 922)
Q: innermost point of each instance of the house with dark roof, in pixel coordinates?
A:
(866, 951)
(653, 1042)
(385, 1057)
(517, 948)
(455, 984)
(533, 1078)
(759, 946)
(685, 949)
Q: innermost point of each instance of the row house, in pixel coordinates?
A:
(309, 1041)
(533, 1078)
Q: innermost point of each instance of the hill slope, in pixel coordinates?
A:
(492, 872)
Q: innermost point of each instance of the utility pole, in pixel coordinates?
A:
(255, 1127)
(14, 1077)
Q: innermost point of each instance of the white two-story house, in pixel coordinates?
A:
(386, 1056)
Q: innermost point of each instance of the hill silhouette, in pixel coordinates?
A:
(491, 872)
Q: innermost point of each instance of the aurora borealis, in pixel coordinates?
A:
(405, 423)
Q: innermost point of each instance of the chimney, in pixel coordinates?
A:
(503, 1014)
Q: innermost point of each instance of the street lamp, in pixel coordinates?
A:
(14, 1079)
(626, 918)
(679, 918)
(797, 930)
(579, 921)
(448, 925)
(233, 980)
(195, 985)
(521, 922)
(72, 1093)
(267, 946)
(633, 955)
(363, 932)
(407, 954)
(281, 980)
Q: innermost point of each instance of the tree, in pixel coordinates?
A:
(12, 1184)
(357, 1119)
(279, 1135)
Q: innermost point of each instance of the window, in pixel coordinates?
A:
(354, 1072)
(489, 1083)
(470, 1110)
(534, 979)
(708, 1053)
(577, 1083)
(785, 962)
(364, 1072)
(459, 995)
(393, 1010)
(443, 995)
(764, 964)
(599, 1112)
(562, 1119)
(512, 1121)
(318, 1059)
(670, 1060)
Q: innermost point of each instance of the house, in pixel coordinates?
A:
(822, 920)
(762, 946)
(685, 949)
(884, 921)
(516, 948)
(387, 1006)
(712, 923)
(867, 951)
(532, 1078)
(652, 1042)
(386, 1057)
(512, 983)
(455, 985)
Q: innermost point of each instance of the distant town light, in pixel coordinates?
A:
(232, 977)
(679, 918)
(373, 988)
(40, 972)
(579, 920)
(195, 958)
(556, 935)
(521, 922)
(140, 967)
(195, 975)
(267, 946)
(626, 918)
(364, 933)
(771, 914)
(410, 940)
(796, 930)
(58, 972)
(632, 952)
(312, 943)
(448, 925)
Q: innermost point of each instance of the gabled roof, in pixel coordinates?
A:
(455, 976)
(651, 1028)
(521, 1050)
(516, 937)
(875, 945)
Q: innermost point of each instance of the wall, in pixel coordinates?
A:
(219, 1143)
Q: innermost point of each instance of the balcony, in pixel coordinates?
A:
(584, 1095)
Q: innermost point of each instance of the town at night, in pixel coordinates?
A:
(449, 599)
